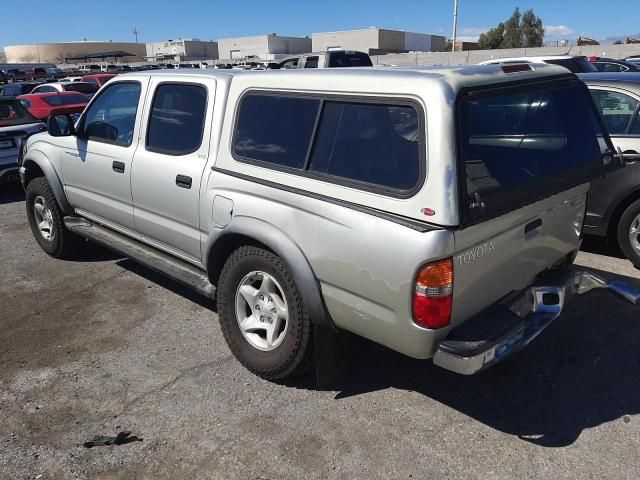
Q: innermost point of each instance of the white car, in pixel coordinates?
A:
(573, 63)
(70, 79)
(81, 87)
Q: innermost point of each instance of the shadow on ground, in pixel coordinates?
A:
(601, 246)
(581, 372)
(11, 192)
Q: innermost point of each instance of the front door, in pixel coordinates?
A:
(169, 164)
(96, 163)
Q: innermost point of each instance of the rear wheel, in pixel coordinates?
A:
(46, 220)
(262, 315)
(629, 233)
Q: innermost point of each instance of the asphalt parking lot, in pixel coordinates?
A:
(101, 345)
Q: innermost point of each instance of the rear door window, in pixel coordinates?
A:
(311, 62)
(520, 146)
(349, 59)
(617, 110)
(176, 123)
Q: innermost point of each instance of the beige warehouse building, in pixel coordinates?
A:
(58, 52)
(266, 47)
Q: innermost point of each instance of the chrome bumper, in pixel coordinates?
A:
(506, 328)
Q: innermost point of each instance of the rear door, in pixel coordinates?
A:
(169, 165)
(527, 154)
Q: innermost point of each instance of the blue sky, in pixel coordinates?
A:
(161, 19)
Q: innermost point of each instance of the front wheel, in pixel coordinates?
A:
(262, 315)
(46, 220)
(629, 233)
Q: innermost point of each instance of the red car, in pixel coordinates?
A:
(98, 78)
(41, 105)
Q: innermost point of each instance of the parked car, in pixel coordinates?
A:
(15, 124)
(124, 68)
(614, 201)
(16, 75)
(55, 73)
(98, 79)
(87, 69)
(35, 73)
(603, 64)
(331, 59)
(82, 87)
(19, 88)
(70, 79)
(210, 177)
(108, 68)
(573, 63)
(42, 105)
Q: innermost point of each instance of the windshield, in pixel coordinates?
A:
(525, 143)
(81, 87)
(73, 99)
(12, 112)
(349, 59)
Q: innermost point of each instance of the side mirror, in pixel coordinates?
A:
(61, 125)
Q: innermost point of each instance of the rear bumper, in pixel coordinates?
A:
(505, 328)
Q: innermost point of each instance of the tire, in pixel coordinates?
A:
(629, 233)
(268, 286)
(42, 208)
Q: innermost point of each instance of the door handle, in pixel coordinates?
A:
(533, 225)
(183, 181)
(117, 166)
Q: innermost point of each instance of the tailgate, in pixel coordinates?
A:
(526, 156)
(491, 262)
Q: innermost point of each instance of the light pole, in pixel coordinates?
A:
(455, 25)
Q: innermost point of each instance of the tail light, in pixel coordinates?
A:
(432, 297)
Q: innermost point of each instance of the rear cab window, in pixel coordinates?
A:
(521, 144)
(349, 59)
(374, 144)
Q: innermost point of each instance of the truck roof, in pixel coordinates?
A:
(448, 78)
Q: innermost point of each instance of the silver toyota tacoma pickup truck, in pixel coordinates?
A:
(436, 212)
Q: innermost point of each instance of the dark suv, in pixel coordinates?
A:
(614, 201)
(612, 65)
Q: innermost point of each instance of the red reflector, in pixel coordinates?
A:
(432, 312)
(428, 212)
(520, 67)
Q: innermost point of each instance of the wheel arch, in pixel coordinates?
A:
(252, 231)
(36, 164)
(618, 208)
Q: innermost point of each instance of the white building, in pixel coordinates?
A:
(265, 47)
(187, 49)
(378, 41)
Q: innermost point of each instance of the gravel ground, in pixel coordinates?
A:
(98, 346)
